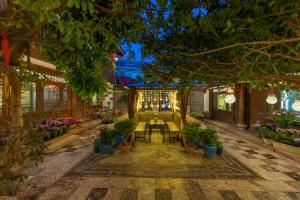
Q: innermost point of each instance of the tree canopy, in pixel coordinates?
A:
(76, 35)
(225, 41)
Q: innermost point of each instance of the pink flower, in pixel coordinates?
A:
(297, 116)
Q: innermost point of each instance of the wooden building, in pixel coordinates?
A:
(52, 98)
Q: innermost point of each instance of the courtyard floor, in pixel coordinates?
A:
(163, 171)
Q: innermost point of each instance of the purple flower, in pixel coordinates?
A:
(54, 128)
(44, 126)
(297, 140)
(297, 116)
(257, 124)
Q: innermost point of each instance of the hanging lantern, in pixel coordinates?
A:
(146, 106)
(296, 105)
(271, 99)
(163, 105)
(151, 105)
(230, 98)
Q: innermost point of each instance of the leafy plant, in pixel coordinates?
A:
(285, 139)
(210, 136)
(106, 135)
(125, 127)
(191, 133)
(283, 118)
(267, 133)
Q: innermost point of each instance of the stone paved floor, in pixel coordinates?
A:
(76, 173)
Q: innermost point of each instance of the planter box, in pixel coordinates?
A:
(286, 148)
(268, 141)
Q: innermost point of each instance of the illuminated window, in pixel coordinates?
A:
(287, 100)
(28, 97)
(156, 100)
(221, 105)
(51, 97)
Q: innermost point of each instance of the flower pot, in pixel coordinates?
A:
(189, 149)
(220, 150)
(105, 148)
(97, 146)
(210, 150)
(285, 148)
(125, 148)
(118, 139)
(268, 141)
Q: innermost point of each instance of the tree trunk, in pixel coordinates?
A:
(15, 102)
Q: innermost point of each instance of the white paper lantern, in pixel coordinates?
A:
(230, 98)
(146, 106)
(271, 99)
(296, 105)
(163, 105)
(151, 105)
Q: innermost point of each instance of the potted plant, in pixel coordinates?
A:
(54, 131)
(210, 142)
(267, 134)
(106, 141)
(220, 148)
(190, 132)
(96, 145)
(284, 119)
(125, 127)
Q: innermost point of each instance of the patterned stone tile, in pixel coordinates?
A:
(235, 147)
(293, 175)
(163, 194)
(263, 195)
(129, 194)
(269, 168)
(292, 168)
(270, 162)
(229, 195)
(194, 191)
(294, 195)
(97, 194)
(269, 156)
(294, 184)
(240, 141)
(249, 156)
(251, 152)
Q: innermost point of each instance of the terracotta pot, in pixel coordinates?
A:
(125, 148)
(189, 149)
(268, 141)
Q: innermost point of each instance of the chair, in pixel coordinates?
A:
(164, 129)
(173, 129)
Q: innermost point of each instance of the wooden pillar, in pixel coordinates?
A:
(241, 110)
(5, 97)
(39, 97)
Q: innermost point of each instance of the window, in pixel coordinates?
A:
(28, 97)
(51, 97)
(65, 102)
(221, 105)
(1, 96)
(287, 99)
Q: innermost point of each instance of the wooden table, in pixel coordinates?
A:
(154, 124)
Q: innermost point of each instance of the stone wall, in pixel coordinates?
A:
(196, 101)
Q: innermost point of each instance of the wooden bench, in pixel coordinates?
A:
(173, 129)
(140, 128)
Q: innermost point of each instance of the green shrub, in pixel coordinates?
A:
(267, 133)
(285, 139)
(125, 127)
(200, 115)
(210, 136)
(106, 135)
(191, 132)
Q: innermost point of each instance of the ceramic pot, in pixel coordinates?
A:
(210, 150)
(105, 148)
